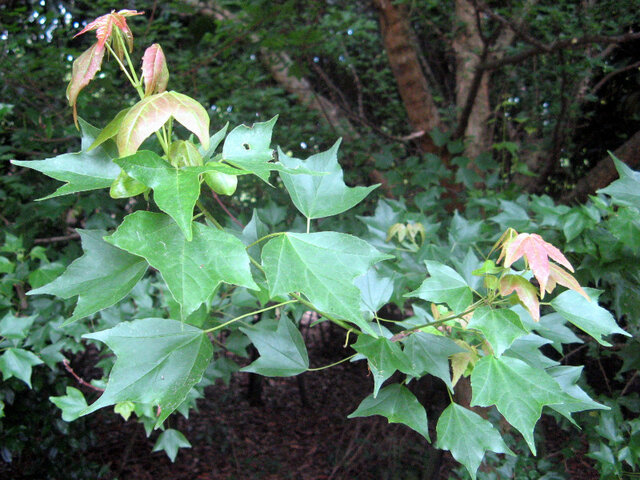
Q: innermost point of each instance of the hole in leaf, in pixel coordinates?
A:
(246, 146)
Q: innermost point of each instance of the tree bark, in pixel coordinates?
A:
(468, 46)
(413, 87)
(605, 171)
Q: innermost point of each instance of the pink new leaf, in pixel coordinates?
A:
(154, 70)
(561, 276)
(104, 26)
(536, 252)
(149, 114)
(84, 69)
(526, 293)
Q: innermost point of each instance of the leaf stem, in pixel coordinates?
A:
(207, 214)
(255, 312)
(264, 238)
(328, 317)
(331, 364)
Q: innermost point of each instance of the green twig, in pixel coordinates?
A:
(255, 312)
(207, 214)
(328, 317)
(331, 364)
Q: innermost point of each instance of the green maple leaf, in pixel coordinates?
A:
(429, 353)
(16, 362)
(587, 315)
(467, 436)
(249, 148)
(282, 349)
(318, 196)
(567, 377)
(103, 276)
(175, 190)
(384, 358)
(192, 270)
(518, 390)
(500, 326)
(159, 361)
(444, 285)
(398, 405)
(83, 170)
(323, 267)
(15, 328)
(626, 190)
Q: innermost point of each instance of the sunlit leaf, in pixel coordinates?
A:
(84, 69)
(444, 285)
(500, 326)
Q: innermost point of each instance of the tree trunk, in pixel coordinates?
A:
(468, 46)
(605, 171)
(412, 84)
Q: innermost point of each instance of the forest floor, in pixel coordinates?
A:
(286, 439)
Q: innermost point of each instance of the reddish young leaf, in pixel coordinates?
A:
(536, 251)
(154, 70)
(104, 26)
(84, 69)
(149, 114)
(561, 276)
(526, 292)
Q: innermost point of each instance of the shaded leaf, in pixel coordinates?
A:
(71, 404)
(500, 327)
(384, 357)
(159, 361)
(16, 362)
(626, 190)
(429, 353)
(375, 290)
(192, 270)
(110, 130)
(398, 405)
(282, 350)
(444, 285)
(15, 328)
(170, 441)
(526, 293)
(103, 276)
(567, 377)
(467, 436)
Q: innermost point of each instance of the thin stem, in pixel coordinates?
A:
(255, 312)
(256, 264)
(207, 214)
(264, 238)
(328, 317)
(331, 364)
(308, 224)
(122, 67)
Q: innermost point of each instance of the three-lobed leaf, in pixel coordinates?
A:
(467, 436)
(17, 362)
(398, 405)
(158, 362)
(100, 278)
(500, 326)
(429, 353)
(318, 196)
(444, 285)
(192, 269)
(323, 267)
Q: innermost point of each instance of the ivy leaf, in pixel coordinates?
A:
(83, 170)
(429, 353)
(626, 190)
(323, 267)
(192, 270)
(151, 113)
(518, 390)
(318, 196)
(398, 405)
(282, 350)
(567, 377)
(384, 357)
(103, 276)
(71, 404)
(15, 328)
(171, 441)
(467, 436)
(587, 315)
(159, 361)
(16, 362)
(500, 326)
(444, 285)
